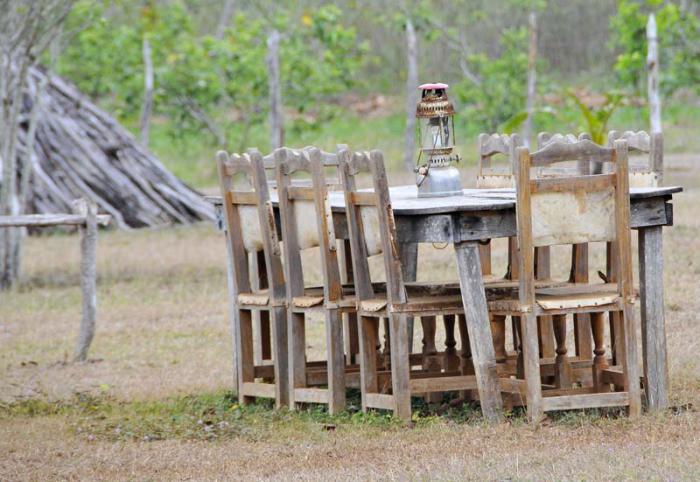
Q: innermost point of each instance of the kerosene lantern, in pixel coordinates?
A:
(436, 176)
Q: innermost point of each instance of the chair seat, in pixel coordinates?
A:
(565, 301)
(415, 304)
(566, 297)
(307, 301)
(313, 296)
(260, 298)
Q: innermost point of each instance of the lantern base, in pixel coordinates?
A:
(440, 182)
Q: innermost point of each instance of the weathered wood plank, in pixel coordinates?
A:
(252, 389)
(483, 213)
(573, 402)
(653, 322)
(310, 395)
(48, 220)
(409, 266)
(380, 400)
(443, 384)
(480, 341)
(88, 276)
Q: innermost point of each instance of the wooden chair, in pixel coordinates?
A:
(573, 210)
(650, 174)
(493, 177)
(372, 231)
(489, 175)
(579, 272)
(250, 223)
(307, 222)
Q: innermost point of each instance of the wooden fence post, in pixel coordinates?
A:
(273, 80)
(88, 275)
(411, 94)
(531, 79)
(147, 107)
(653, 76)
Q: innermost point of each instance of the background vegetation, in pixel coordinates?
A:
(343, 65)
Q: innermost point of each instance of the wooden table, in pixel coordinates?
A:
(487, 214)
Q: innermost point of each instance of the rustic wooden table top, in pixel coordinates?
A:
(478, 213)
(405, 200)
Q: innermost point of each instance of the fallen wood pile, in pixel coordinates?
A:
(82, 152)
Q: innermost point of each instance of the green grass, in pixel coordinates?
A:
(218, 415)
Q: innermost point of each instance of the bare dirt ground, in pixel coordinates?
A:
(163, 333)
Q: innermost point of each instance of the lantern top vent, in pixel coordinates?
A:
(434, 101)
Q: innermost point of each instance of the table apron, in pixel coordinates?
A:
(488, 224)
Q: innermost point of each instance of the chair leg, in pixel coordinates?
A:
(518, 342)
(630, 367)
(451, 361)
(546, 337)
(531, 365)
(336, 361)
(265, 338)
(498, 330)
(600, 363)
(386, 354)
(297, 354)
(281, 356)
(400, 369)
(431, 361)
(352, 347)
(617, 342)
(466, 366)
(243, 324)
(562, 374)
(369, 338)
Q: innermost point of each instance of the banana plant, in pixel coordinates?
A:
(596, 118)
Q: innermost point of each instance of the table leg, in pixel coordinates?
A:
(480, 339)
(651, 291)
(409, 267)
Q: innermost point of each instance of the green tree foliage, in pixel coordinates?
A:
(679, 43)
(499, 92)
(202, 80)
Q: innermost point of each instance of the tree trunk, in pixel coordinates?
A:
(531, 79)
(653, 76)
(13, 80)
(225, 18)
(26, 30)
(147, 108)
(409, 158)
(273, 80)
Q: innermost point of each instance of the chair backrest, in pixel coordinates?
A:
(572, 209)
(369, 213)
(250, 219)
(544, 138)
(579, 255)
(488, 146)
(650, 174)
(581, 166)
(306, 217)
